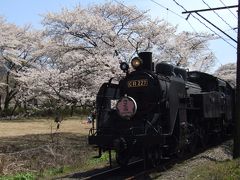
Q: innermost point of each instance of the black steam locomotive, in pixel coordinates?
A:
(155, 114)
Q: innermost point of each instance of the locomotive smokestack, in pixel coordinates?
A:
(147, 60)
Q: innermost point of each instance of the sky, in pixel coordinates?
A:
(24, 12)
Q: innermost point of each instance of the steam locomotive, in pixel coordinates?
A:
(157, 113)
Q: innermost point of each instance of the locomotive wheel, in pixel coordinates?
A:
(204, 138)
(194, 140)
(181, 152)
(122, 158)
(153, 157)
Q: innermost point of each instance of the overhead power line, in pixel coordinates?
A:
(219, 16)
(215, 26)
(166, 8)
(229, 9)
(194, 11)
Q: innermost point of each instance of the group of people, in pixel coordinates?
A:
(58, 119)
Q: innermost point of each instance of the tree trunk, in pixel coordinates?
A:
(14, 109)
(6, 101)
(72, 109)
(10, 94)
(0, 103)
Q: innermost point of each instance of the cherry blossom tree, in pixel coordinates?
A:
(82, 49)
(17, 48)
(227, 72)
(190, 50)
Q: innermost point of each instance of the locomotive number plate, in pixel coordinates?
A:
(138, 83)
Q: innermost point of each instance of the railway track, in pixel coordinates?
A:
(115, 172)
(135, 170)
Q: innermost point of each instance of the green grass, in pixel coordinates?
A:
(61, 171)
(74, 154)
(89, 164)
(102, 159)
(227, 170)
(20, 176)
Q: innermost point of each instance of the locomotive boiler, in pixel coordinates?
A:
(159, 112)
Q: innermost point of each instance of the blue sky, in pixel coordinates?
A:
(22, 12)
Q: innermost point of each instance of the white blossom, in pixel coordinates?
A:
(227, 72)
(81, 49)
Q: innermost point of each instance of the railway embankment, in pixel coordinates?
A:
(214, 163)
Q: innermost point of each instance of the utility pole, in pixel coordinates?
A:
(236, 146)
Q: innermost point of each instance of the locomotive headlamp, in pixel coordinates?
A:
(124, 66)
(136, 62)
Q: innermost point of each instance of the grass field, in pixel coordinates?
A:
(35, 149)
(13, 128)
(35, 146)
